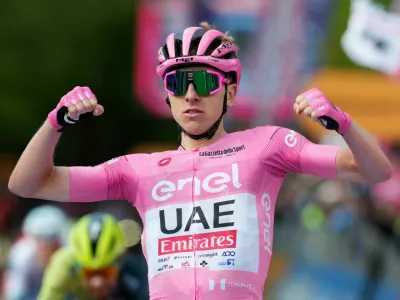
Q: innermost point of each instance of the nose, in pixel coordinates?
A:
(191, 94)
(96, 281)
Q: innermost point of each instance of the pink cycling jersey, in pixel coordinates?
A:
(208, 214)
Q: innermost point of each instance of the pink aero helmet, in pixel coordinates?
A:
(199, 46)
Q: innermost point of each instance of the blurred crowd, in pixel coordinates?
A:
(332, 240)
(31, 240)
(349, 232)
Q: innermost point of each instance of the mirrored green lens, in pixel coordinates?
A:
(204, 83)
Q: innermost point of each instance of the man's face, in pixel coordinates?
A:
(195, 113)
(100, 283)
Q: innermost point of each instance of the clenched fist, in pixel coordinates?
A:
(318, 108)
(77, 104)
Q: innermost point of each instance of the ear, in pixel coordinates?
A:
(232, 91)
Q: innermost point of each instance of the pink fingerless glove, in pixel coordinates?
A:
(329, 116)
(58, 117)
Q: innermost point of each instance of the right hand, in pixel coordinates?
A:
(73, 107)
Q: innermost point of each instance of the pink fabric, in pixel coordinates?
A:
(208, 214)
(76, 95)
(324, 107)
(288, 151)
(112, 180)
(319, 160)
(88, 184)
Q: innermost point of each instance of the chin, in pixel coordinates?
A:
(195, 129)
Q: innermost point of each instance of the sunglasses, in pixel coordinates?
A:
(205, 82)
(108, 272)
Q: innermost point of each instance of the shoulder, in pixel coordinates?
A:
(265, 132)
(139, 160)
(63, 257)
(277, 135)
(59, 277)
(268, 135)
(61, 269)
(149, 163)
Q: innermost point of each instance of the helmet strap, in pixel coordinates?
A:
(213, 129)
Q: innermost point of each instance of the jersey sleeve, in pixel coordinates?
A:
(55, 283)
(112, 180)
(288, 151)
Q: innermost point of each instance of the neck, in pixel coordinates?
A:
(190, 144)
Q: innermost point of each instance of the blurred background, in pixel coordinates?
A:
(332, 240)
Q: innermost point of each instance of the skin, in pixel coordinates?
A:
(46, 249)
(99, 287)
(211, 107)
(35, 175)
(364, 161)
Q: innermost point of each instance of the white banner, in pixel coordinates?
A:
(372, 37)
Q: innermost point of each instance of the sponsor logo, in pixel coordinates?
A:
(229, 253)
(203, 241)
(183, 256)
(164, 259)
(267, 223)
(220, 216)
(228, 262)
(164, 162)
(165, 267)
(208, 255)
(225, 152)
(213, 183)
(197, 216)
(184, 59)
(223, 284)
(186, 264)
(203, 263)
(210, 232)
(225, 46)
(290, 139)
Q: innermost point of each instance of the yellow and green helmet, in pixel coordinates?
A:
(97, 240)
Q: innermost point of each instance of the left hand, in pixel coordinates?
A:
(318, 108)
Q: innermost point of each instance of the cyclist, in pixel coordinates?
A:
(94, 265)
(208, 207)
(44, 231)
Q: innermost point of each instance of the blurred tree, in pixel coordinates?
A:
(50, 47)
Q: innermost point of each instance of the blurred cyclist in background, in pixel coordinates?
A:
(45, 229)
(207, 207)
(95, 265)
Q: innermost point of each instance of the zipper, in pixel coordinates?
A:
(193, 234)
